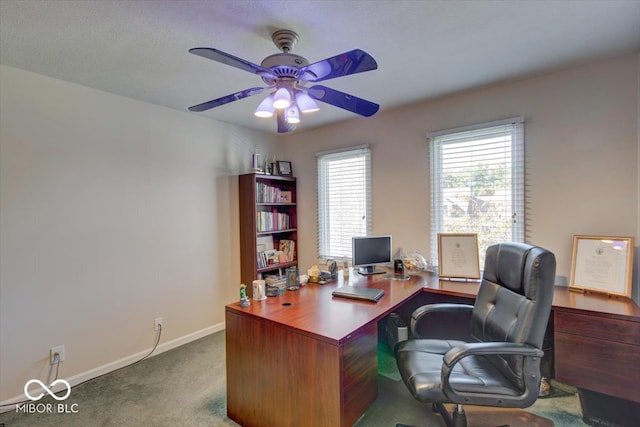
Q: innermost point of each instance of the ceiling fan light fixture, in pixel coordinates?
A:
(282, 98)
(306, 104)
(293, 115)
(265, 108)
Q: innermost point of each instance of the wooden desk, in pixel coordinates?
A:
(306, 358)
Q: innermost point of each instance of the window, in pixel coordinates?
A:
(344, 200)
(477, 182)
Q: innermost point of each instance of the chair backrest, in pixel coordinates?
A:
(514, 299)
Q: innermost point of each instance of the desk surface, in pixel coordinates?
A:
(563, 299)
(314, 311)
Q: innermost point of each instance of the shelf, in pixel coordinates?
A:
(275, 204)
(285, 230)
(277, 266)
(265, 177)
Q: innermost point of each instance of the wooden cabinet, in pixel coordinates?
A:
(268, 218)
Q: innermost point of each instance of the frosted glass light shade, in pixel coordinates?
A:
(265, 108)
(306, 104)
(293, 115)
(282, 98)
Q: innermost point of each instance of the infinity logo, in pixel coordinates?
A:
(47, 389)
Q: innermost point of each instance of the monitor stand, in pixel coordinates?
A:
(370, 270)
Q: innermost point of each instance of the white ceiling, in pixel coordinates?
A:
(424, 49)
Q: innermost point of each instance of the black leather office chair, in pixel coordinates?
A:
(501, 365)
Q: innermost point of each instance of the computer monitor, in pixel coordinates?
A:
(369, 251)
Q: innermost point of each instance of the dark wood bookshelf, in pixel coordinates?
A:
(259, 194)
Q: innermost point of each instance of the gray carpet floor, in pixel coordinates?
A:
(186, 387)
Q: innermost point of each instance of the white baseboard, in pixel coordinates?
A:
(120, 363)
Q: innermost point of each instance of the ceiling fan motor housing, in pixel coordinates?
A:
(285, 64)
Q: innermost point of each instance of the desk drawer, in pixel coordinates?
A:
(595, 364)
(598, 353)
(604, 328)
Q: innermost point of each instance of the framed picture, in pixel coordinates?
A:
(284, 197)
(458, 255)
(284, 168)
(602, 264)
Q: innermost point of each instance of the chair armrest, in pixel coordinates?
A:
(531, 372)
(454, 355)
(420, 313)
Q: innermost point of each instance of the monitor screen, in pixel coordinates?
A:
(369, 251)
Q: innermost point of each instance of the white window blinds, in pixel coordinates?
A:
(477, 182)
(344, 200)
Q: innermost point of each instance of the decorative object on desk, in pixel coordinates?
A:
(244, 299)
(458, 255)
(398, 266)
(602, 264)
(259, 290)
(414, 262)
(293, 279)
(332, 267)
(314, 273)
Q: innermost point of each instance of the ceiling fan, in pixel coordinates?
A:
(287, 77)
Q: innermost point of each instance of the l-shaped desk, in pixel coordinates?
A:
(307, 358)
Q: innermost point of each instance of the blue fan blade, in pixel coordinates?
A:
(283, 126)
(352, 62)
(228, 59)
(226, 99)
(343, 100)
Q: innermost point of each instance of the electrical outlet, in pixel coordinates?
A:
(60, 351)
(157, 324)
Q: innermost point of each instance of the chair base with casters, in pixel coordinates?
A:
(500, 366)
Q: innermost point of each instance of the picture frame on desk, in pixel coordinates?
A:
(458, 256)
(602, 264)
(284, 168)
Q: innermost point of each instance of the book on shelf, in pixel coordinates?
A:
(287, 247)
(266, 193)
(272, 221)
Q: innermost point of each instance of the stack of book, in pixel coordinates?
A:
(276, 281)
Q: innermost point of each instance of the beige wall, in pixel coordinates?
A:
(112, 212)
(581, 132)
